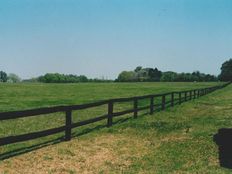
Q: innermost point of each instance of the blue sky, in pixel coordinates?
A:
(103, 37)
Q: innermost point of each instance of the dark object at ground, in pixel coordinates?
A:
(224, 141)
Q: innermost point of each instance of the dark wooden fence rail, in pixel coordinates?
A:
(175, 98)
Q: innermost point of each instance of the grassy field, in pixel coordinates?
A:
(178, 140)
(27, 96)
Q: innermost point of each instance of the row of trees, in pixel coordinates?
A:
(63, 78)
(149, 74)
(49, 78)
(187, 77)
(13, 78)
(140, 74)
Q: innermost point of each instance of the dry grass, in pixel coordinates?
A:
(101, 154)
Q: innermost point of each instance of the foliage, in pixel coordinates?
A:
(140, 75)
(226, 71)
(187, 77)
(13, 78)
(154, 75)
(169, 76)
(126, 76)
(3, 76)
(62, 78)
(139, 68)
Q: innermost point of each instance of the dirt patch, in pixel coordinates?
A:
(174, 138)
(223, 107)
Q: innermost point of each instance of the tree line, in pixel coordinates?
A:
(154, 75)
(13, 78)
(64, 78)
(140, 74)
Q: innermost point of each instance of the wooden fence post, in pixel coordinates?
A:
(110, 113)
(163, 102)
(180, 98)
(185, 96)
(190, 95)
(172, 99)
(68, 125)
(152, 105)
(135, 108)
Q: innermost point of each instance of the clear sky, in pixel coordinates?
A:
(103, 37)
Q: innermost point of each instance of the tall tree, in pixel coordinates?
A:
(138, 68)
(126, 76)
(226, 71)
(154, 74)
(3, 76)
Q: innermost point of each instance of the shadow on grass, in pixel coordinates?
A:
(224, 141)
(23, 150)
(26, 149)
(19, 151)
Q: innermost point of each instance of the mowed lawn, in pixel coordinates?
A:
(178, 140)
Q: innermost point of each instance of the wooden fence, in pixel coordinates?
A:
(175, 98)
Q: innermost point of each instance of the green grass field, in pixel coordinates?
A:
(178, 140)
(27, 96)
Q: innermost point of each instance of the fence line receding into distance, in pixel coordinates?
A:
(175, 98)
